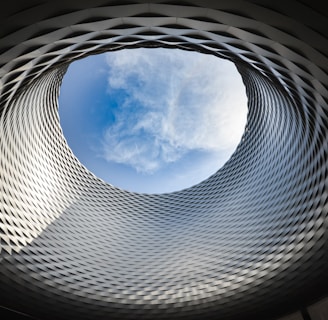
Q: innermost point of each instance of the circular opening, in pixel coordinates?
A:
(153, 120)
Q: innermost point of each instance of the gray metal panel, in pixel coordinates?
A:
(250, 242)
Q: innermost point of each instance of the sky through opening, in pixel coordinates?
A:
(153, 120)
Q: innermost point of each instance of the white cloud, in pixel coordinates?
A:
(186, 101)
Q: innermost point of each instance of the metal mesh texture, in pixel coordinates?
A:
(250, 242)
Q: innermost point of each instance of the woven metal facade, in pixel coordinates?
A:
(250, 242)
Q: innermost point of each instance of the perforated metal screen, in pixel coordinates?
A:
(250, 242)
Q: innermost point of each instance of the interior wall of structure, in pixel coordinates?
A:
(250, 242)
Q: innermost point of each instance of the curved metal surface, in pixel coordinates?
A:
(249, 242)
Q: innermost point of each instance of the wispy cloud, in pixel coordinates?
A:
(173, 102)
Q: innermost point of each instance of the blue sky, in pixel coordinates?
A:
(152, 120)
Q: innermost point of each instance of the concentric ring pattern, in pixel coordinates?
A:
(250, 242)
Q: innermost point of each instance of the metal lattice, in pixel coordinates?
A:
(248, 242)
